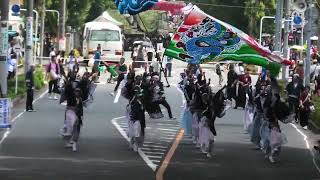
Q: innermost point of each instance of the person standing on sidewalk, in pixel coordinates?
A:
(30, 87)
(219, 73)
(305, 107)
(12, 66)
(294, 90)
(53, 72)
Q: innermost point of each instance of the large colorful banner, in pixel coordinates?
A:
(134, 7)
(202, 38)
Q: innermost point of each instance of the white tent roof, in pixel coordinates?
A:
(105, 17)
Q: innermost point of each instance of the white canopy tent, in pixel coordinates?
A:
(105, 17)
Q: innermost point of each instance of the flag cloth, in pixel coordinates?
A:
(202, 38)
(134, 7)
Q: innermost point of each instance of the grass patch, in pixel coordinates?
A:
(315, 116)
(38, 83)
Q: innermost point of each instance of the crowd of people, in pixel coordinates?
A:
(262, 104)
(145, 93)
(201, 109)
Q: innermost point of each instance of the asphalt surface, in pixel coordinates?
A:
(34, 150)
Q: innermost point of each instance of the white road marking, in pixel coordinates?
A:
(160, 147)
(305, 138)
(154, 153)
(116, 99)
(155, 149)
(163, 129)
(141, 153)
(13, 120)
(155, 157)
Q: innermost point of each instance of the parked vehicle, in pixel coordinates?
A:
(108, 35)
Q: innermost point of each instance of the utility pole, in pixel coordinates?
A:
(4, 7)
(278, 30)
(62, 28)
(43, 15)
(29, 36)
(309, 33)
(286, 37)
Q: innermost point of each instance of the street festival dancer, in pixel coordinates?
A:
(136, 120)
(73, 117)
(122, 70)
(202, 108)
(265, 131)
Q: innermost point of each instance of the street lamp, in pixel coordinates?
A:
(55, 11)
(261, 25)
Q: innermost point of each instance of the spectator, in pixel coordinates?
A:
(219, 73)
(53, 72)
(300, 70)
(294, 90)
(12, 66)
(52, 52)
(30, 88)
(305, 107)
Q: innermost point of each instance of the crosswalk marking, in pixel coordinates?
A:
(159, 136)
(156, 149)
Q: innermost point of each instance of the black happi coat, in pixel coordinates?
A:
(137, 113)
(231, 90)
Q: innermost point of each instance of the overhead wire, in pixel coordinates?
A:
(227, 6)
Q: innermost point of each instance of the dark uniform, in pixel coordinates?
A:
(29, 85)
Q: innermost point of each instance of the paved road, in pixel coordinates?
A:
(33, 149)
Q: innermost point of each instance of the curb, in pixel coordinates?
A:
(313, 127)
(22, 98)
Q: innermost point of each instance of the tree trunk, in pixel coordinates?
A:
(251, 25)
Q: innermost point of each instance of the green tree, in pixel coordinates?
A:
(256, 9)
(77, 12)
(97, 7)
(228, 13)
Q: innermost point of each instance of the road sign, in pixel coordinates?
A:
(5, 112)
(15, 9)
(29, 39)
(3, 40)
(297, 20)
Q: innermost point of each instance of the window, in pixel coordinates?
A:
(105, 35)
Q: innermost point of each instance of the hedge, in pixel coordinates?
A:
(315, 116)
(38, 83)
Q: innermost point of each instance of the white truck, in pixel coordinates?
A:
(108, 35)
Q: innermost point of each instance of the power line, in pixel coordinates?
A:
(227, 6)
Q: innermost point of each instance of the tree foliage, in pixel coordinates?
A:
(238, 13)
(243, 14)
(255, 10)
